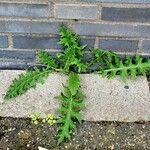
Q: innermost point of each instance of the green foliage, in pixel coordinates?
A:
(29, 79)
(72, 55)
(35, 117)
(113, 65)
(72, 103)
(25, 81)
(70, 61)
(73, 83)
(49, 119)
(104, 57)
(46, 59)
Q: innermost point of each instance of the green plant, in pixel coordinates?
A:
(104, 57)
(49, 119)
(72, 103)
(113, 65)
(71, 57)
(35, 117)
(25, 81)
(70, 62)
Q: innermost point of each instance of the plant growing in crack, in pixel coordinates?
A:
(111, 64)
(36, 118)
(49, 119)
(70, 61)
(72, 102)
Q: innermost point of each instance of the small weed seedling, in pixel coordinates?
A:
(70, 61)
(49, 119)
(35, 117)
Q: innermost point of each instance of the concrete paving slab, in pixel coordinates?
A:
(108, 100)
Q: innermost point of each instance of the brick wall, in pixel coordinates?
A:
(122, 26)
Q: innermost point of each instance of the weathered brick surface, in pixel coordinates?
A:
(93, 29)
(126, 14)
(145, 31)
(119, 45)
(29, 42)
(120, 1)
(76, 11)
(24, 10)
(89, 42)
(3, 41)
(145, 46)
(34, 42)
(23, 56)
(13, 64)
(29, 27)
(112, 30)
(16, 59)
(100, 29)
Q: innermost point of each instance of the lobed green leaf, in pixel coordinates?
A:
(130, 66)
(25, 81)
(46, 59)
(70, 108)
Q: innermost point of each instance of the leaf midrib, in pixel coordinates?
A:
(133, 66)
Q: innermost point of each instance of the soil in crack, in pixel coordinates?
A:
(21, 134)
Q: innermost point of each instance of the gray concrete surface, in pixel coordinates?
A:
(109, 100)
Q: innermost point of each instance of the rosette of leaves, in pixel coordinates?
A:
(72, 100)
(69, 61)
